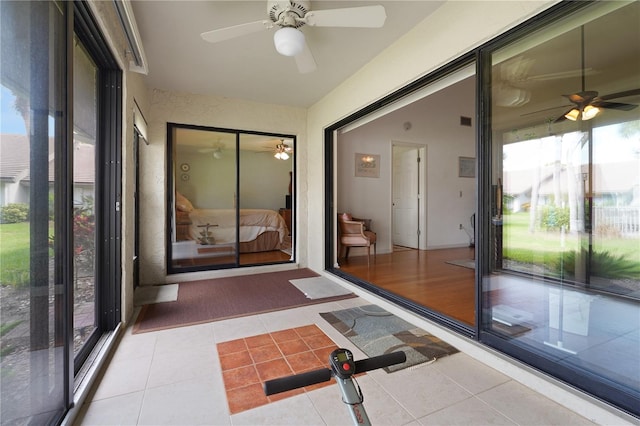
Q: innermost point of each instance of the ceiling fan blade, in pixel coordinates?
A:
(614, 105)
(543, 110)
(355, 17)
(562, 117)
(624, 94)
(305, 61)
(223, 34)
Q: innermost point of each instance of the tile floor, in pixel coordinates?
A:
(177, 377)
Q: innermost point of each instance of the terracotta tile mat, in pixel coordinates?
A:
(247, 363)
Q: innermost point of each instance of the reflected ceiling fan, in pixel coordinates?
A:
(283, 150)
(215, 150)
(291, 15)
(587, 103)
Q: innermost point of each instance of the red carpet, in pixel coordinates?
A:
(222, 298)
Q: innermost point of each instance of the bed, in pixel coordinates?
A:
(260, 229)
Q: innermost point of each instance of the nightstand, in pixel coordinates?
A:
(286, 215)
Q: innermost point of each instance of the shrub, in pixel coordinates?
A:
(553, 218)
(605, 265)
(14, 213)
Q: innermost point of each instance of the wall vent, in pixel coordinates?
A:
(465, 121)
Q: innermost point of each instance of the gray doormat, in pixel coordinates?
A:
(375, 332)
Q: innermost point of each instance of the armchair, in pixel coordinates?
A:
(354, 232)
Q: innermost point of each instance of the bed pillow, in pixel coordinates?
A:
(183, 204)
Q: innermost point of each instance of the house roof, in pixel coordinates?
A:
(14, 160)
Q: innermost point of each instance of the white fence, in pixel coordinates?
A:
(617, 221)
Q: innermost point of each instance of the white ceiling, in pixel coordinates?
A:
(249, 67)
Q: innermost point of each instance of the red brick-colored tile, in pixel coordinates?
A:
(246, 398)
(265, 353)
(319, 341)
(293, 347)
(283, 395)
(284, 335)
(235, 360)
(231, 346)
(304, 361)
(308, 330)
(323, 353)
(248, 363)
(260, 340)
(240, 377)
(273, 369)
(321, 385)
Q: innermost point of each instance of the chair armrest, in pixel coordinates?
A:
(353, 227)
(366, 222)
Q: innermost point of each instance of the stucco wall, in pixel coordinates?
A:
(453, 29)
(185, 108)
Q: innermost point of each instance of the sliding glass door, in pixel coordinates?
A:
(230, 200)
(564, 281)
(59, 236)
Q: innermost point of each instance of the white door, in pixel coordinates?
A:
(406, 200)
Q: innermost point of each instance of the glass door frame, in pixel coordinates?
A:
(172, 176)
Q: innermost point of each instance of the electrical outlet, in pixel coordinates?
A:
(460, 226)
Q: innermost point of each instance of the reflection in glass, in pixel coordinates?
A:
(32, 294)
(230, 201)
(565, 279)
(84, 214)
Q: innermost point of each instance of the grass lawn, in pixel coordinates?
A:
(14, 253)
(550, 248)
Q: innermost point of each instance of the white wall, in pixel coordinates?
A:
(264, 180)
(202, 110)
(453, 29)
(435, 122)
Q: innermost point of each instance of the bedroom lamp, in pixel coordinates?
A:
(289, 41)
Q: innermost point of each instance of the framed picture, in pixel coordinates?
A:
(466, 167)
(367, 165)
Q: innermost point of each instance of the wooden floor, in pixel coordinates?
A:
(423, 277)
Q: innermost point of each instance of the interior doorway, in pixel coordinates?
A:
(408, 201)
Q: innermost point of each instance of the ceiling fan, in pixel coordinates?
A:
(283, 150)
(290, 15)
(215, 150)
(587, 103)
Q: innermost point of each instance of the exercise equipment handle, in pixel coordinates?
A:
(309, 378)
(301, 380)
(380, 361)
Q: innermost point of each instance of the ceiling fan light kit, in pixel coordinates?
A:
(289, 41)
(293, 14)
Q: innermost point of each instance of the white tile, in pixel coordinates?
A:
(471, 411)
(119, 410)
(380, 407)
(469, 373)
(420, 391)
(185, 363)
(177, 339)
(135, 346)
(192, 402)
(123, 377)
(297, 410)
(526, 407)
(237, 328)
